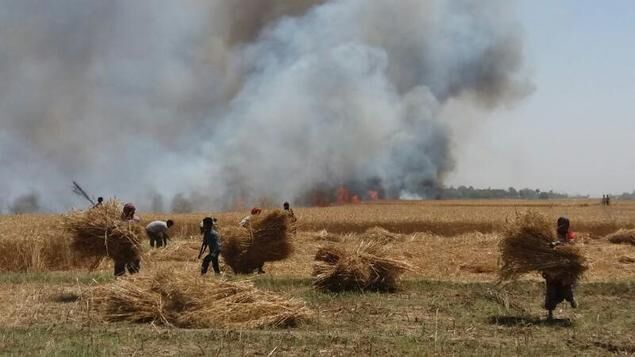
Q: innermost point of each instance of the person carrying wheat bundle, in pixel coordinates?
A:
(557, 288)
(530, 244)
(246, 223)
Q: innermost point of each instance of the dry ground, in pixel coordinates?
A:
(449, 306)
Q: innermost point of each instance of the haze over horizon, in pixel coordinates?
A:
(574, 133)
(133, 100)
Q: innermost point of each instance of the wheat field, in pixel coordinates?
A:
(449, 304)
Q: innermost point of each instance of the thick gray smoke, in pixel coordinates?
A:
(218, 101)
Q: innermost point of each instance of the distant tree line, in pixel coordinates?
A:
(467, 193)
(627, 196)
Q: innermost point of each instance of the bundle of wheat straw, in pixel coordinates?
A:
(177, 251)
(268, 240)
(623, 236)
(382, 235)
(368, 267)
(525, 248)
(177, 298)
(99, 232)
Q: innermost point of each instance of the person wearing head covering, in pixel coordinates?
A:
(157, 231)
(246, 223)
(211, 240)
(128, 213)
(558, 289)
(128, 216)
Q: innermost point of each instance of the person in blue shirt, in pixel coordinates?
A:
(211, 240)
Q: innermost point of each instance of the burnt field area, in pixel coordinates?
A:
(448, 301)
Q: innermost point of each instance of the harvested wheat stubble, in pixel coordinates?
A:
(324, 235)
(368, 267)
(99, 232)
(504, 298)
(623, 236)
(270, 242)
(525, 248)
(182, 299)
(382, 235)
(626, 260)
(177, 251)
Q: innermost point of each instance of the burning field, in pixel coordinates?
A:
(444, 255)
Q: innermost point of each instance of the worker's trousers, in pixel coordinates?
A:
(210, 258)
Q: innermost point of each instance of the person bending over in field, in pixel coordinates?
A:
(157, 231)
(211, 240)
(557, 288)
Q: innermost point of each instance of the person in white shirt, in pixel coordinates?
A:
(246, 221)
(157, 231)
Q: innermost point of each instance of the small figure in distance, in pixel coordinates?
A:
(100, 201)
(289, 211)
(292, 217)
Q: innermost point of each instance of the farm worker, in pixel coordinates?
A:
(289, 212)
(157, 231)
(608, 200)
(128, 213)
(211, 240)
(246, 223)
(133, 266)
(291, 215)
(559, 289)
(202, 224)
(100, 201)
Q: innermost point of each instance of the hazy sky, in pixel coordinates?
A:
(575, 132)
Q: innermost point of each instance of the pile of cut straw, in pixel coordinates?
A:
(526, 248)
(623, 236)
(182, 299)
(99, 232)
(368, 267)
(382, 235)
(267, 240)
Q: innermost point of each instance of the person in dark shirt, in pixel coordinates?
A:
(557, 288)
(100, 202)
(211, 240)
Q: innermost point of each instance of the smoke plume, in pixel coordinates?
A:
(218, 102)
